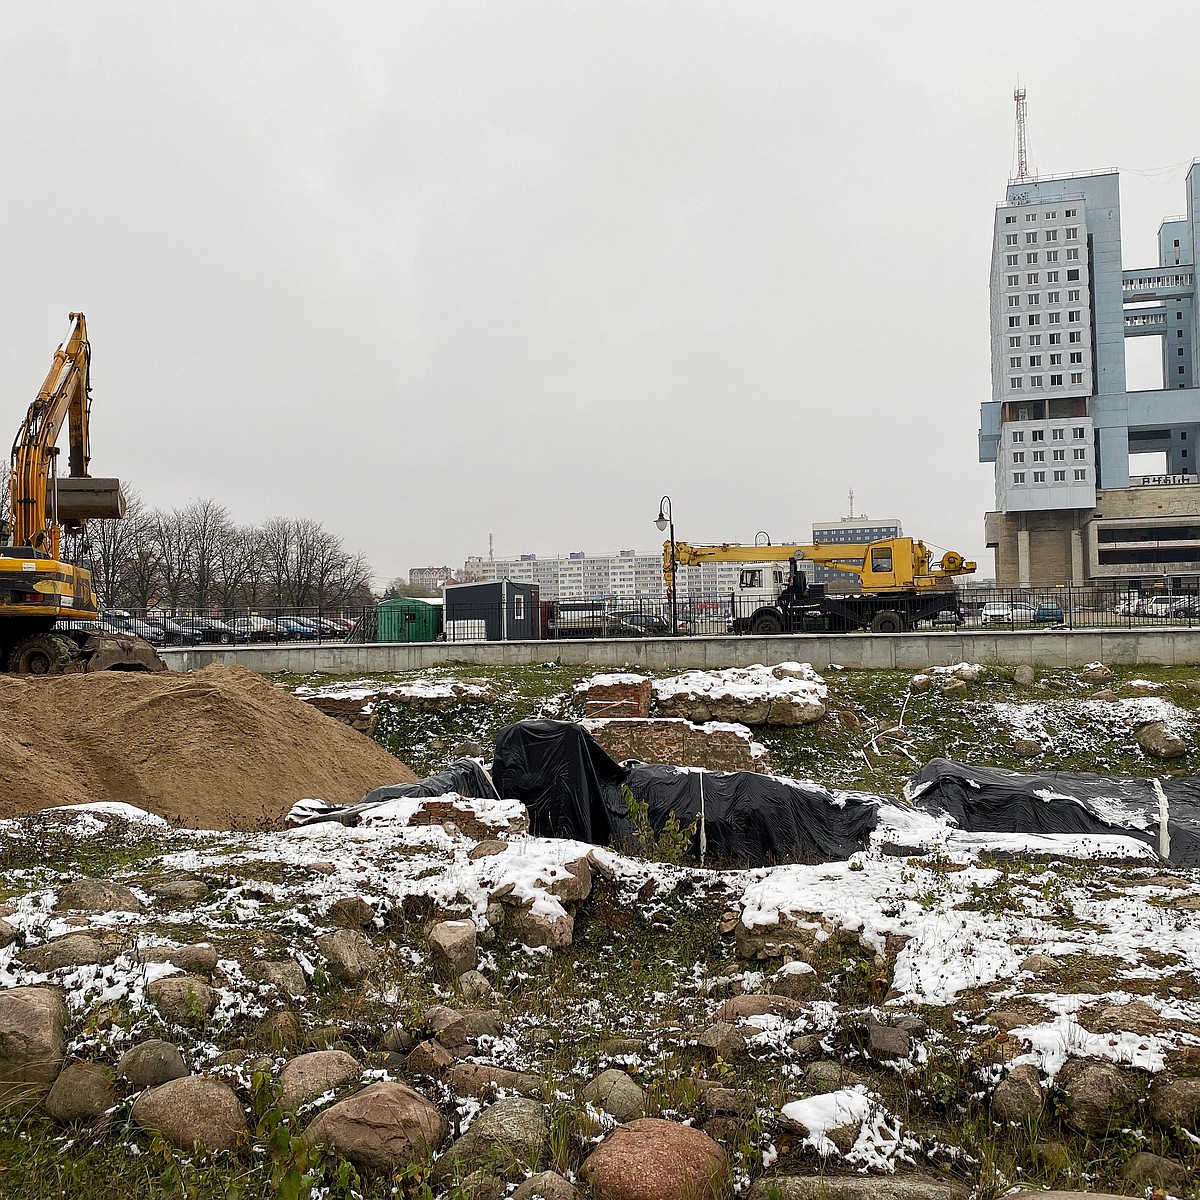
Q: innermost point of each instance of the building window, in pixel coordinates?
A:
(1076, 377)
(1052, 235)
(1010, 220)
(1018, 435)
(1010, 260)
(1072, 233)
(1031, 239)
(1080, 476)
(1014, 302)
(1056, 360)
(1039, 477)
(1072, 295)
(1031, 260)
(1179, 333)
(1051, 276)
(1010, 239)
(1079, 433)
(1037, 435)
(1035, 298)
(1018, 477)
(1056, 435)
(1056, 339)
(1073, 337)
(1016, 383)
(1073, 317)
(1052, 256)
(1060, 477)
(1039, 456)
(1059, 455)
(1079, 454)
(1033, 319)
(1052, 297)
(1035, 381)
(1015, 363)
(1076, 357)
(1181, 370)
(1056, 381)
(1029, 217)
(1072, 275)
(1014, 322)
(1179, 352)
(1072, 212)
(1014, 281)
(1035, 339)
(1052, 215)
(1014, 343)
(1056, 318)
(1018, 456)
(1072, 254)
(1035, 360)
(1032, 277)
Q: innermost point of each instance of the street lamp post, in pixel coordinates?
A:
(665, 520)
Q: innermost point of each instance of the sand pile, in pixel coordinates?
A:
(219, 748)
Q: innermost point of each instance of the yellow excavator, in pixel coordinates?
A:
(901, 584)
(48, 607)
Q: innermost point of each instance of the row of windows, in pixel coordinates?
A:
(1051, 235)
(1017, 382)
(1035, 360)
(1035, 339)
(1079, 455)
(1031, 260)
(1033, 277)
(1078, 434)
(1034, 299)
(1054, 318)
(1018, 477)
(1050, 214)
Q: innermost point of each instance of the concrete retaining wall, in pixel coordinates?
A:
(909, 652)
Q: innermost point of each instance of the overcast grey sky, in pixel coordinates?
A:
(432, 271)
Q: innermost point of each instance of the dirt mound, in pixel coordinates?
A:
(219, 748)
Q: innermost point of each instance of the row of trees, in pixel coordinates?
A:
(197, 559)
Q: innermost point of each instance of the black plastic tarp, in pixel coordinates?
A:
(755, 820)
(572, 789)
(989, 800)
(463, 778)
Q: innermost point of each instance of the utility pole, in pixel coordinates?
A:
(1023, 175)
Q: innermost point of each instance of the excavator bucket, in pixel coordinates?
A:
(113, 652)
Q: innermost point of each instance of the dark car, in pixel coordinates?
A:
(635, 624)
(1050, 613)
(173, 633)
(207, 629)
(126, 623)
(291, 629)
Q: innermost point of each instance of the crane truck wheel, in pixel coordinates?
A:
(43, 654)
(766, 623)
(888, 621)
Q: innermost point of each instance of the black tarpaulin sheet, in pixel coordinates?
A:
(464, 778)
(755, 820)
(571, 788)
(989, 800)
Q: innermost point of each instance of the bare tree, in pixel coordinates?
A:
(174, 553)
(204, 525)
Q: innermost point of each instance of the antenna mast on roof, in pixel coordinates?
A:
(491, 555)
(851, 504)
(1023, 173)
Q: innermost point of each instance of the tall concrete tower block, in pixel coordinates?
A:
(1061, 424)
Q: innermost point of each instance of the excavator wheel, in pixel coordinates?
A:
(44, 654)
(887, 621)
(766, 623)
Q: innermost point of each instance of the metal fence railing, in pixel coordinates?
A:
(1086, 607)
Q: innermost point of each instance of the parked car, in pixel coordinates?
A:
(1048, 613)
(173, 633)
(949, 616)
(254, 629)
(1129, 607)
(289, 629)
(1005, 612)
(635, 624)
(207, 629)
(127, 623)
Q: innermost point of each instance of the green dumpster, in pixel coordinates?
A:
(409, 620)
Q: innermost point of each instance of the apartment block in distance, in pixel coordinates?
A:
(1061, 424)
(851, 530)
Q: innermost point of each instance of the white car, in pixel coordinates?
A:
(1005, 612)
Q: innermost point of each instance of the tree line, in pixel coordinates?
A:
(198, 559)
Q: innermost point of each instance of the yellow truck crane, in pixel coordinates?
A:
(900, 584)
(48, 607)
